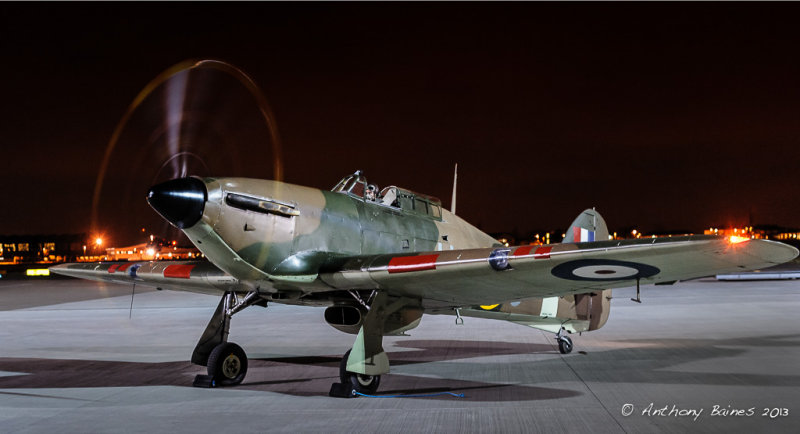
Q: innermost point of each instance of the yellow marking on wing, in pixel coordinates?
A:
(489, 306)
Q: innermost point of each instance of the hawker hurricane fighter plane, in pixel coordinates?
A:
(381, 258)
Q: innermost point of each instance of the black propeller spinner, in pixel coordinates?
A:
(180, 201)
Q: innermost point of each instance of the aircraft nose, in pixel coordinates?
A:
(180, 201)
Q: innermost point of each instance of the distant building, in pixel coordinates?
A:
(43, 248)
(534, 238)
(786, 236)
(151, 252)
(50, 249)
(766, 232)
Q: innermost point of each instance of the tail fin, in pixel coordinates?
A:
(589, 226)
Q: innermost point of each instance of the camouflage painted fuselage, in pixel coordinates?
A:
(317, 228)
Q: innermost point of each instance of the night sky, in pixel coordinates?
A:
(662, 116)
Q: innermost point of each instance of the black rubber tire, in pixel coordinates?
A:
(227, 364)
(366, 384)
(565, 345)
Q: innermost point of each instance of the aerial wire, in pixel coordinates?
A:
(133, 291)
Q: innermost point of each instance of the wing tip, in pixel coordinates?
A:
(775, 251)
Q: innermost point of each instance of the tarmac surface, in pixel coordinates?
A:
(704, 356)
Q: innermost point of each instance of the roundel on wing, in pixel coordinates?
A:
(603, 269)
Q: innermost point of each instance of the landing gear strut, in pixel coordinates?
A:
(564, 342)
(226, 362)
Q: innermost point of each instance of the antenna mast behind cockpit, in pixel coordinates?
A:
(453, 200)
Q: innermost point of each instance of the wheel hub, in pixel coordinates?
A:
(231, 366)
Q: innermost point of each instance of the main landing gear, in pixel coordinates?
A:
(361, 383)
(362, 366)
(564, 342)
(226, 362)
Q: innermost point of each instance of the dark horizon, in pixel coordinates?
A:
(661, 116)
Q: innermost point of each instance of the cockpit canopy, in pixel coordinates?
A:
(357, 186)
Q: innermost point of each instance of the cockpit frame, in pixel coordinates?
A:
(394, 197)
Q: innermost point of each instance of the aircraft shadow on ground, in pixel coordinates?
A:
(313, 375)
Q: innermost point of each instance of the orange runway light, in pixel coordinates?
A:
(736, 240)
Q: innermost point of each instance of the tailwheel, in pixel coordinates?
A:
(227, 364)
(564, 344)
(366, 384)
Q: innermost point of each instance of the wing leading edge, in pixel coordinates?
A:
(192, 276)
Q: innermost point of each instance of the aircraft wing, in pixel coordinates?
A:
(482, 276)
(496, 275)
(193, 276)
